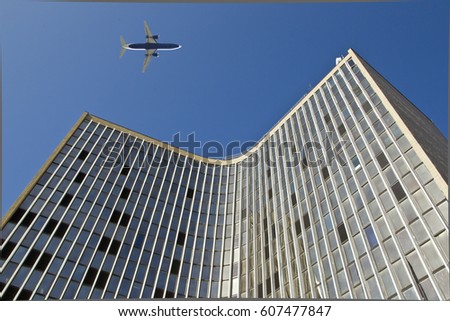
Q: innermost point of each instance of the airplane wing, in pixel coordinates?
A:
(148, 57)
(148, 33)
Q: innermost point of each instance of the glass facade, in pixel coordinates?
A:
(336, 201)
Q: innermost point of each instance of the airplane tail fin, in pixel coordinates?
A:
(124, 46)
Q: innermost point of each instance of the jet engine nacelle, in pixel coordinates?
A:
(155, 54)
(156, 37)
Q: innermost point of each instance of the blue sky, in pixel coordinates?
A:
(241, 67)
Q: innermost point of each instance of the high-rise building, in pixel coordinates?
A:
(345, 197)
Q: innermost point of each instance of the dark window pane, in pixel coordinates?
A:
(10, 293)
(125, 171)
(50, 227)
(24, 295)
(17, 215)
(306, 221)
(293, 199)
(260, 291)
(277, 281)
(43, 262)
(399, 193)
(298, 227)
(159, 293)
(90, 276)
(115, 217)
(66, 200)
(175, 267)
(61, 230)
(180, 239)
(7, 249)
(342, 233)
(80, 176)
(104, 243)
(31, 258)
(28, 219)
(83, 155)
(189, 194)
(114, 249)
(268, 286)
(125, 219)
(101, 280)
(125, 193)
(382, 160)
(366, 106)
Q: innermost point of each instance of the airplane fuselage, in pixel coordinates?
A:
(153, 46)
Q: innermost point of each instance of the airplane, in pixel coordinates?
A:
(150, 46)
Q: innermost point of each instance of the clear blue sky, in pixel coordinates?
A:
(241, 67)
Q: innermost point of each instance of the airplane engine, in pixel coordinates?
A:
(156, 37)
(155, 54)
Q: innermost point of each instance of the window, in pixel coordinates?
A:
(181, 238)
(90, 276)
(298, 227)
(125, 193)
(83, 155)
(327, 119)
(114, 249)
(61, 230)
(66, 200)
(31, 258)
(125, 171)
(24, 295)
(7, 249)
(125, 219)
(342, 233)
(10, 293)
(366, 106)
(18, 214)
(50, 227)
(115, 217)
(101, 280)
(175, 267)
(159, 293)
(103, 246)
(398, 191)
(170, 294)
(293, 199)
(382, 160)
(341, 129)
(260, 290)
(356, 163)
(268, 286)
(190, 193)
(139, 241)
(277, 281)
(79, 178)
(306, 221)
(325, 173)
(43, 262)
(370, 234)
(270, 193)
